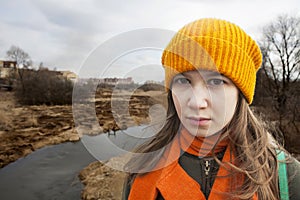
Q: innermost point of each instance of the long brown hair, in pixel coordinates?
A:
(255, 155)
(146, 162)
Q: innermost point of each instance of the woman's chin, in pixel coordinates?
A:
(198, 132)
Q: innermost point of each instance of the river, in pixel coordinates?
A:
(51, 173)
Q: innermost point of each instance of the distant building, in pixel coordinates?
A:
(115, 81)
(69, 75)
(154, 82)
(6, 67)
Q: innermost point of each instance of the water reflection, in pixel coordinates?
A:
(105, 146)
(48, 173)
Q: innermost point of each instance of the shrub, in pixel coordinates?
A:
(43, 87)
(152, 87)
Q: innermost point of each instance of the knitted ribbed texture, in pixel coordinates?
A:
(213, 44)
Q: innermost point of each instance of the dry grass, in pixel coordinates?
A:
(6, 106)
(4, 121)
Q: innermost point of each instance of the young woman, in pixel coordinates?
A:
(211, 145)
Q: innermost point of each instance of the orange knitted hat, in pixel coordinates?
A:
(213, 44)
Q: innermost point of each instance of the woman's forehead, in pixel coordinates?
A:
(203, 73)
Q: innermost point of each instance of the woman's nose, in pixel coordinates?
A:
(199, 97)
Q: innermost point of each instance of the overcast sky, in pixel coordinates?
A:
(64, 33)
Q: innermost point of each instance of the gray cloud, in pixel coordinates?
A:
(62, 34)
(66, 17)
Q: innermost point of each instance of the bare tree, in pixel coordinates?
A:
(20, 56)
(23, 61)
(281, 51)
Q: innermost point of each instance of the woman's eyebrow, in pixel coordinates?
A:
(185, 75)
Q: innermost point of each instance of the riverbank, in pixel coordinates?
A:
(101, 181)
(25, 129)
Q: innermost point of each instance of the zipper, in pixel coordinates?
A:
(206, 176)
(207, 168)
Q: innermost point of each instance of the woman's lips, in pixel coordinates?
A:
(199, 121)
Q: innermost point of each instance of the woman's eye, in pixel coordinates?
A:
(215, 82)
(182, 81)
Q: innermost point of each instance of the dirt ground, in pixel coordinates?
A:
(102, 181)
(27, 128)
(23, 129)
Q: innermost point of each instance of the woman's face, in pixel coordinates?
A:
(205, 101)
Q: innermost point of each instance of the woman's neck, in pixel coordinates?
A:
(201, 146)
